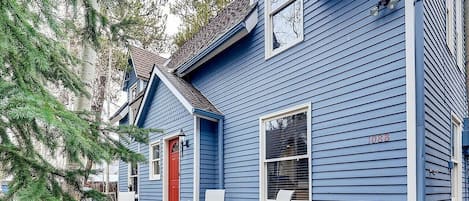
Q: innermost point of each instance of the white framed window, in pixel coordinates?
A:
(450, 42)
(455, 30)
(285, 153)
(284, 25)
(459, 34)
(133, 178)
(456, 159)
(155, 161)
(133, 92)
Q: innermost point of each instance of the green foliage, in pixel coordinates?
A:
(143, 21)
(194, 14)
(32, 56)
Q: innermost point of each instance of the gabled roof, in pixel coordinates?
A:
(190, 97)
(234, 14)
(191, 94)
(144, 60)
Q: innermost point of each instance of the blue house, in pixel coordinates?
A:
(316, 96)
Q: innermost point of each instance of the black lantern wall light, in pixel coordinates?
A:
(182, 141)
(390, 4)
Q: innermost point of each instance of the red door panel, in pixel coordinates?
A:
(173, 170)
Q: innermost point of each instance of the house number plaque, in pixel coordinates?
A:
(379, 138)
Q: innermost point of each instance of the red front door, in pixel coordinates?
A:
(173, 170)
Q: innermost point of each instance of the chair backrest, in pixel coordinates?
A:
(214, 195)
(126, 196)
(284, 195)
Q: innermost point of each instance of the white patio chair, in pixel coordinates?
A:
(214, 195)
(126, 196)
(284, 195)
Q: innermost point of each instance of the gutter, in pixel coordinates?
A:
(466, 31)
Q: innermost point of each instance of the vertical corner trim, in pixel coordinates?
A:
(196, 182)
(411, 101)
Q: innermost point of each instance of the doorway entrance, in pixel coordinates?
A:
(173, 168)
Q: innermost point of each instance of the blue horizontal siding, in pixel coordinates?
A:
(123, 167)
(208, 156)
(444, 93)
(351, 66)
(167, 113)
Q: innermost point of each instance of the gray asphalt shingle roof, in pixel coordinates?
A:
(234, 13)
(143, 61)
(190, 93)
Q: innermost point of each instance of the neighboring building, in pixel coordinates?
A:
(136, 79)
(314, 96)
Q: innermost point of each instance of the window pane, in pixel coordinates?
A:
(288, 175)
(156, 167)
(286, 25)
(134, 184)
(134, 169)
(454, 142)
(156, 151)
(286, 136)
(175, 148)
(277, 3)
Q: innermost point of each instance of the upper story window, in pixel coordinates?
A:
(133, 92)
(284, 25)
(455, 30)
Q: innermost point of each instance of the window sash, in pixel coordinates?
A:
(263, 156)
(279, 8)
(152, 160)
(268, 32)
(153, 167)
(285, 158)
(450, 25)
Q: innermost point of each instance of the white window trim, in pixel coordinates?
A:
(134, 86)
(262, 168)
(269, 51)
(459, 35)
(457, 160)
(450, 25)
(165, 172)
(152, 176)
(129, 176)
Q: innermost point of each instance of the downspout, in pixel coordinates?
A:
(221, 147)
(466, 120)
(466, 31)
(420, 100)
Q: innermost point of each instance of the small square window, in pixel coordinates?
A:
(284, 20)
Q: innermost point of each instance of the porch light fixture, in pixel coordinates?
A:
(390, 4)
(182, 140)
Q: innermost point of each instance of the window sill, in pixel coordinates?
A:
(154, 178)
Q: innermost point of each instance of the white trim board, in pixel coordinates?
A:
(411, 111)
(157, 73)
(152, 177)
(196, 170)
(165, 185)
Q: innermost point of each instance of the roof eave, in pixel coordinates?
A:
(230, 37)
(119, 114)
